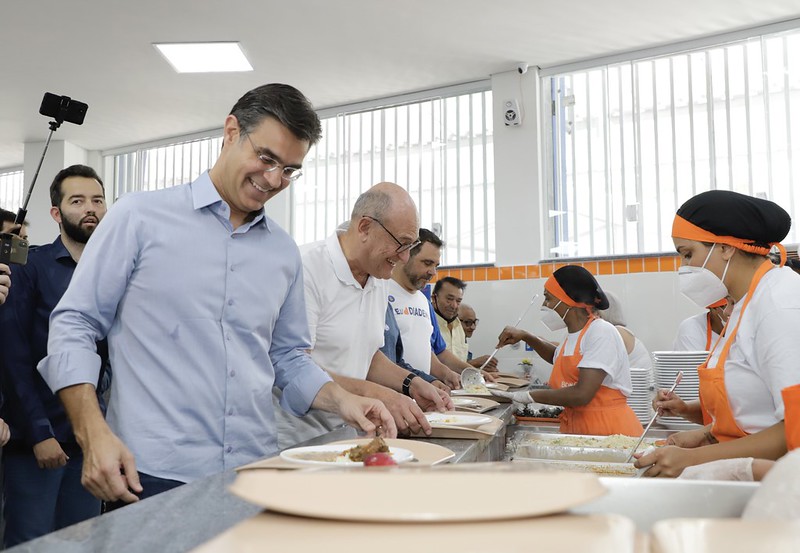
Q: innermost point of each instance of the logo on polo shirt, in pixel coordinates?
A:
(413, 312)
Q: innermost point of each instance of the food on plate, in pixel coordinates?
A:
(379, 460)
(476, 389)
(615, 441)
(359, 452)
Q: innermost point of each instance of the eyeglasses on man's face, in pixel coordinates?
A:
(470, 322)
(400, 246)
(288, 174)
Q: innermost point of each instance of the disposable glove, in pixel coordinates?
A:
(725, 469)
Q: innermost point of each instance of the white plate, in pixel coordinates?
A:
(457, 419)
(394, 495)
(464, 402)
(399, 454)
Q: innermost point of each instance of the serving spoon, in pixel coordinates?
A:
(473, 377)
(652, 420)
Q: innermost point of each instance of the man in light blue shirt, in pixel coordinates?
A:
(201, 297)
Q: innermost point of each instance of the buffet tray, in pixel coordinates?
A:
(567, 447)
(598, 468)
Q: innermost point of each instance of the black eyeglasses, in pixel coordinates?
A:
(400, 246)
(470, 322)
(289, 174)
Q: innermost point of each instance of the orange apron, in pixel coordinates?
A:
(608, 412)
(713, 394)
(791, 415)
(706, 417)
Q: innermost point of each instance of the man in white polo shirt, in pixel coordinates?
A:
(345, 292)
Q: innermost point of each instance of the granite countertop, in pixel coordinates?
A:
(184, 518)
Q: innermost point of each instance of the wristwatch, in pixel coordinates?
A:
(407, 384)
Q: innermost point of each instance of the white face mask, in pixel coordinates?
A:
(552, 320)
(701, 285)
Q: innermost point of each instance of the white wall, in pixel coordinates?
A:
(60, 154)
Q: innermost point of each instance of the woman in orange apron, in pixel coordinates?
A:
(724, 239)
(591, 377)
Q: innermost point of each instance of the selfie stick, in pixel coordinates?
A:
(61, 112)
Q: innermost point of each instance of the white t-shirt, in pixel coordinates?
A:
(692, 334)
(602, 348)
(765, 355)
(639, 357)
(346, 321)
(414, 320)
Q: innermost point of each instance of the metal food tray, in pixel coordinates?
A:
(533, 445)
(599, 468)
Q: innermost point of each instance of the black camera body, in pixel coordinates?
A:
(13, 249)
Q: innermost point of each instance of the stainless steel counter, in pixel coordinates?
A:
(185, 517)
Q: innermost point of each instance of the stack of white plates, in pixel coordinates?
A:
(667, 365)
(641, 399)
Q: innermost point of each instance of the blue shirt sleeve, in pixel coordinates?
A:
(438, 344)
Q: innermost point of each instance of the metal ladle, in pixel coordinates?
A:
(473, 377)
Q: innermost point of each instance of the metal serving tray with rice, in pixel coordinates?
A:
(574, 447)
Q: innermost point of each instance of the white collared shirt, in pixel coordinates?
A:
(346, 320)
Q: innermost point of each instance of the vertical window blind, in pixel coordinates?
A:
(12, 189)
(630, 142)
(439, 149)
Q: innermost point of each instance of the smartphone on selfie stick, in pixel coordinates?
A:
(14, 249)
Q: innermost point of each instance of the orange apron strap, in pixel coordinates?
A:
(713, 392)
(791, 415)
(708, 330)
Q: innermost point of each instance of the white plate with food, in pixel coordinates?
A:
(340, 454)
(461, 420)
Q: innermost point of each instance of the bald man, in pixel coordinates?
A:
(469, 320)
(345, 280)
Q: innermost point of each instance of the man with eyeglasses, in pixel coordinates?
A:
(346, 291)
(469, 320)
(446, 297)
(201, 297)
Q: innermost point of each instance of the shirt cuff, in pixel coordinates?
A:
(299, 394)
(68, 368)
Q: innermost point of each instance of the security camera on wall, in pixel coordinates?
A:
(512, 116)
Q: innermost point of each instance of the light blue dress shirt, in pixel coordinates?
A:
(201, 320)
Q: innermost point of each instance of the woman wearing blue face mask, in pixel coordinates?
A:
(723, 239)
(591, 377)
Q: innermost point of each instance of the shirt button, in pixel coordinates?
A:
(232, 268)
(228, 337)
(230, 302)
(233, 373)
(230, 412)
(228, 449)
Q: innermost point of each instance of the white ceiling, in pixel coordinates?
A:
(337, 52)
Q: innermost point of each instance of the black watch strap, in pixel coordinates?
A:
(407, 383)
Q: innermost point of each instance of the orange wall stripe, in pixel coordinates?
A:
(665, 263)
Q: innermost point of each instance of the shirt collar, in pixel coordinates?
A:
(59, 249)
(340, 266)
(205, 194)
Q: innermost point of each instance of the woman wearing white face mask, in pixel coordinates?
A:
(591, 377)
(723, 239)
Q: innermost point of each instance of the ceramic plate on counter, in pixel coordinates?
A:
(461, 420)
(393, 495)
(335, 455)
